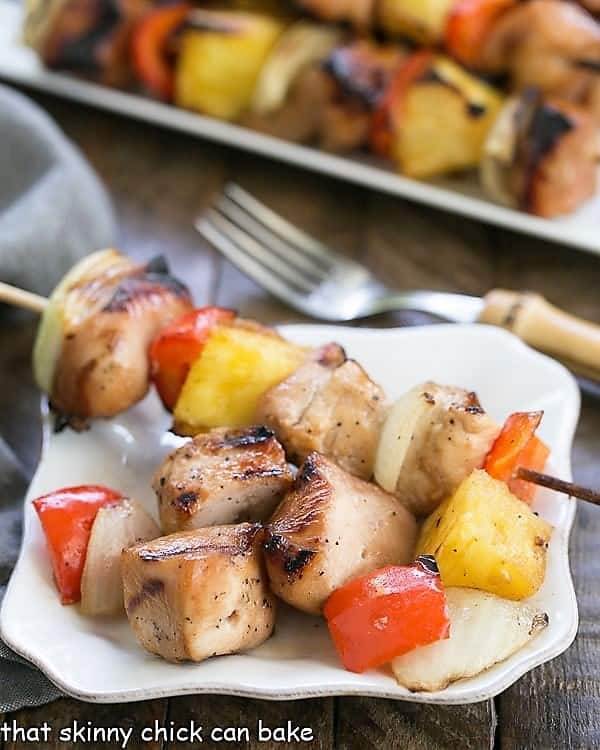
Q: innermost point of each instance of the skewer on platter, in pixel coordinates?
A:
(91, 352)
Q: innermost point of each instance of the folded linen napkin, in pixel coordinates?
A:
(53, 211)
(20, 683)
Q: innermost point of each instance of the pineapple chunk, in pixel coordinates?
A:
(220, 60)
(445, 120)
(236, 366)
(484, 537)
(422, 21)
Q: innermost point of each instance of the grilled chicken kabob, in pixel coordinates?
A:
(242, 531)
(421, 110)
(424, 112)
(90, 355)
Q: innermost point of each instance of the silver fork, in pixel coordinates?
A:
(306, 274)
(311, 277)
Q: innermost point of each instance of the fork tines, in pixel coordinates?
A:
(276, 254)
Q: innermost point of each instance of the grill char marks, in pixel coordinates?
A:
(109, 320)
(291, 558)
(198, 594)
(151, 587)
(330, 528)
(329, 405)
(147, 286)
(222, 476)
(191, 545)
(251, 436)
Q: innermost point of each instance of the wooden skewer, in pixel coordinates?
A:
(559, 485)
(12, 295)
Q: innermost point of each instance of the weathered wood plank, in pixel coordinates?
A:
(222, 712)
(386, 725)
(409, 247)
(568, 277)
(68, 714)
(557, 705)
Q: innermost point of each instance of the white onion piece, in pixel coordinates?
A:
(397, 434)
(301, 45)
(499, 153)
(65, 306)
(115, 528)
(484, 630)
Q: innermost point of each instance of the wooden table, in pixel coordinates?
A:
(159, 181)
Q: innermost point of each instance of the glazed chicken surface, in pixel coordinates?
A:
(329, 529)
(199, 593)
(433, 438)
(329, 405)
(108, 323)
(220, 477)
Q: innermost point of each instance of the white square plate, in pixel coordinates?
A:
(460, 194)
(99, 660)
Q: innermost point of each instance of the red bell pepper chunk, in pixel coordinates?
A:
(381, 615)
(177, 346)
(385, 120)
(67, 516)
(469, 25)
(534, 457)
(517, 445)
(149, 48)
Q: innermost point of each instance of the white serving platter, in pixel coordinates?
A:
(21, 66)
(99, 659)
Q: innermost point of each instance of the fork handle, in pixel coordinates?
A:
(574, 341)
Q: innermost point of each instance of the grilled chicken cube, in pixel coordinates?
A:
(199, 593)
(90, 354)
(329, 529)
(90, 37)
(328, 101)
(541, 155)
(223, 476)
(433, 437)
(329, 405)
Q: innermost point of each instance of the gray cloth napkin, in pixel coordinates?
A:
(53, 211)
(20, 683)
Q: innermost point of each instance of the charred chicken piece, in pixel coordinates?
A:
(223, 476)
(329, 405)
(199, 593)
(330, 528)
(541, 156)
(433, 437)
(328, 98)
(90, 37)
(90, 354)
